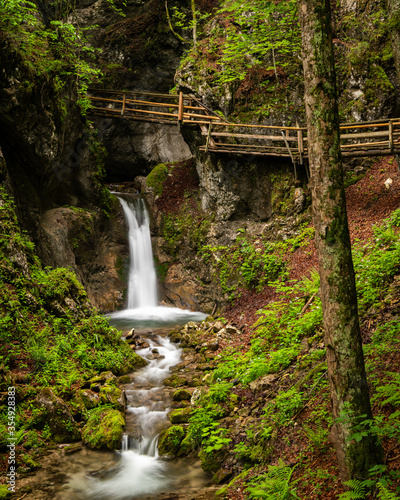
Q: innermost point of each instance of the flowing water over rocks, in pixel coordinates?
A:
(136, 470)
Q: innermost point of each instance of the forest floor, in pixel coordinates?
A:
(369, 203)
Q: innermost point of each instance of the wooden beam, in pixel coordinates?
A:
(180, 108)
(253, 136)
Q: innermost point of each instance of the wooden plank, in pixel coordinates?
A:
(227, 144)
(364, 144)
(132, 92)
(253, 136)
(207, 118)
(255, 153)
(132, 111)
(363, 135)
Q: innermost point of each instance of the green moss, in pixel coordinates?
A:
(182, 395)
(170, 440)
(181, 415)
(157, 177)
(4, 493)
(104, 429)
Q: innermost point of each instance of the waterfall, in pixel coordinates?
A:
(142, 283)
(142, 310)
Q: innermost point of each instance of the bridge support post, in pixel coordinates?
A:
(123, 104)
(180, 108)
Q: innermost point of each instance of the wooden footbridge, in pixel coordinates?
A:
(374, 138)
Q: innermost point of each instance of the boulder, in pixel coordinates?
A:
(170, 440)
(182, 395)
(90, 399)
(54, 412)
(180, 415)
(110, 394)
(104, 429)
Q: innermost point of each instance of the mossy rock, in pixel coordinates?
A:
(54, 412)
(170, 440)
(157, 177)
(211, 462)
(175, 336)
(175, 381)
(104, 378)
(180, 415)
(4, 493)
(182, 395)
(110, 394)
(186, 447)
(125, 379)
(89, 399)
(134, 363)
(31, 463)
(104, 429)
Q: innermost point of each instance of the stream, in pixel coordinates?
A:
(136, 470)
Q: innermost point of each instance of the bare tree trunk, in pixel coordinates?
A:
(347, 377)
(394, 18)
(194, 21)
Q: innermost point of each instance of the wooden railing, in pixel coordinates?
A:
(146, 106)
(375, 138)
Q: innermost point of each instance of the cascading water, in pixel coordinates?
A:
(142, 283)
(142, 309)
(140, 472)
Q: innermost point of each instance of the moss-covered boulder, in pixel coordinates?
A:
(185, 447)
(211, 461)
(124, 379)
(110, 394)
(104, 429)
(170, 440)
(180, 415)
(175, 381)
(54, 412)
(89, 399)
(104, 378)
(182, 395)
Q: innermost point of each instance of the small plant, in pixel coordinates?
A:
(275, 485)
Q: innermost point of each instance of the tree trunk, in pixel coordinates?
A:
(394, 23)
(347, 377)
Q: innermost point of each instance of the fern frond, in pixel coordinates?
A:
(385, 494)
(357, 491)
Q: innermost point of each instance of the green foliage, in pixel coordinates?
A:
(246, 263)
(376, 264)
(187, 225)
(275, 485)
(58, 51)
(285, 405)
(213, 437)
(261, 34)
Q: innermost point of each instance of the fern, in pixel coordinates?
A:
(274, 485)
(385, 494)
(391, 391)
(357, 490)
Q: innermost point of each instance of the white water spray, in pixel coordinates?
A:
(142, 309)
(142, 284)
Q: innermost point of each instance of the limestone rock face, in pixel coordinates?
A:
(135, 147)
(76, 238)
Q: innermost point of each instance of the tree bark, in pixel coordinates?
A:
(346, 370)
(394, 23)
